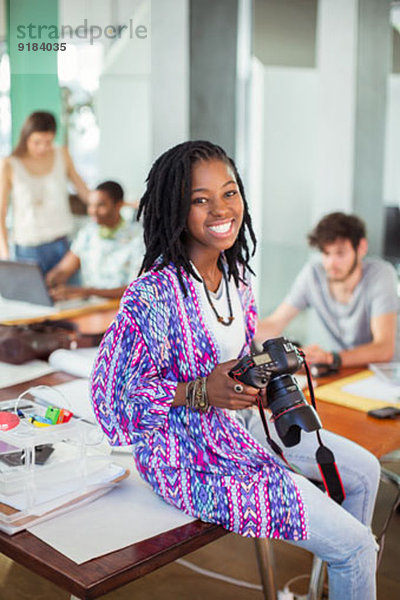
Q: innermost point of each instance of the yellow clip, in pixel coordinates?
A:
(39, 421)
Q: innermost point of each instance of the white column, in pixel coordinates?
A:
(353, 60)
(336, 62)
(169, 74)
(143, 103)
(123, 105)
(255, 161)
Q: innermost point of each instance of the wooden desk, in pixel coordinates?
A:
(378, 436)
(107, 573)
(102, 575)
(95, 322)
(98, 312)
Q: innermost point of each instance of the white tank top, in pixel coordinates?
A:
(40, 207)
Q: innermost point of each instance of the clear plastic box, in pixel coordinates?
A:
(76, 466)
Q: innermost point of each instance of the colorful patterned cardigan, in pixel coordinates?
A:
(206, 465)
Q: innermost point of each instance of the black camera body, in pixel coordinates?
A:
(272, 368)
(279, 356)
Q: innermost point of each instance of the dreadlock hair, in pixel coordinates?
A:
(166, 203)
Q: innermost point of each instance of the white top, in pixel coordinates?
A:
(229, 340)
(40, 203)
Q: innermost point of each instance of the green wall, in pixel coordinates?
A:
(34, 81)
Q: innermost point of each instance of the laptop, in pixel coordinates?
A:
(24, 282)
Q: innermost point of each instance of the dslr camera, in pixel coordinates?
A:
(272, 368)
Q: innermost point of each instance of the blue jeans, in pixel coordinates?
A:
(46, 256)
(339, 535)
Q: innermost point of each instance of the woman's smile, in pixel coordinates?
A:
(222, 229)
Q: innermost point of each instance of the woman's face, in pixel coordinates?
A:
(40, 143)
(216, 210)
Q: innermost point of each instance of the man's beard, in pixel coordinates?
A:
(348, 274)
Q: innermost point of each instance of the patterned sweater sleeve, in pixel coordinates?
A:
(129, 395)
(249, 307)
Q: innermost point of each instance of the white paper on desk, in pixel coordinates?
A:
(73, 395)
(130, 513)
(75, 362)
(373, 387)
(13, 374)
(50, 497)
(10, 310)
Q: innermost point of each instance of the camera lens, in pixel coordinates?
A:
(283, 392)
(290, 410)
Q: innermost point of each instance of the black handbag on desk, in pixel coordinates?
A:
(21, 343)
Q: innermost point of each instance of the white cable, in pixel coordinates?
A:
(213, 575)
(289, 583)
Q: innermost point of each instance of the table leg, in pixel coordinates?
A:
(316, 579)
(394, 478)
(266, 566)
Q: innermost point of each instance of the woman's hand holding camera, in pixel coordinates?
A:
(222, 390)
(225, 392)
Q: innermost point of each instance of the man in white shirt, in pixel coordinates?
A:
(108, 251)
(354, 297)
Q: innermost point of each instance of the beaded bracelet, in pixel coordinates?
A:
(196, 395)
(189, 392)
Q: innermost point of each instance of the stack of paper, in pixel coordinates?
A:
(16, 513)
(45, 469)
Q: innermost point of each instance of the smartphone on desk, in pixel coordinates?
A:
(14, 457)
(386, 412)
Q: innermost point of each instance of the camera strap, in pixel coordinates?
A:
(324, 456)
(274, 446)
(329, 472)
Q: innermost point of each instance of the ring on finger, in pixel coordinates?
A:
(238, 388)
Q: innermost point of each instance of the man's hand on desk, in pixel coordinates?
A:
(67, 292)
(316, 354)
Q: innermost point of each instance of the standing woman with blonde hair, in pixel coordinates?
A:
(34, 178)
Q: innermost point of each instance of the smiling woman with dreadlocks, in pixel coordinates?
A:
(161, 378)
